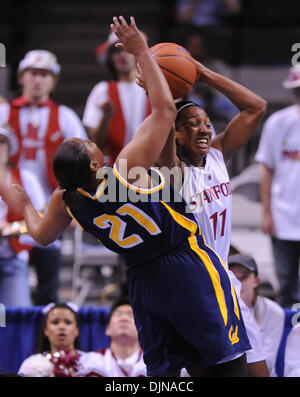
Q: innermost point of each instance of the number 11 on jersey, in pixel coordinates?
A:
(215, 219)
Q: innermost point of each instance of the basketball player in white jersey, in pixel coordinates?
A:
(206, 185)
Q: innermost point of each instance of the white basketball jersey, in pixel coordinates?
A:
(207, 192)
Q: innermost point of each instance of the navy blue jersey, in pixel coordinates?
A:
(184, 304)
(139, 224)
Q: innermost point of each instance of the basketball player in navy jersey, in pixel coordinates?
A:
(206, 185)
(184, 304)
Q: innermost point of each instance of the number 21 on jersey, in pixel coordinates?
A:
(117, 226)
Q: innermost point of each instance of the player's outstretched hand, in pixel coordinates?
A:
(131, 38)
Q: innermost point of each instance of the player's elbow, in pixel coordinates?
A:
(256, 111)
(260, 107)
(43, 241)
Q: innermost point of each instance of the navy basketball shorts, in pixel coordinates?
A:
(185, 310)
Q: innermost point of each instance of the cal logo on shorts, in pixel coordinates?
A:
(233, 335)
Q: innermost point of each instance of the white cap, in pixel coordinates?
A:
(293, 79)
(40, 59)
(12, 139)
(101, 50)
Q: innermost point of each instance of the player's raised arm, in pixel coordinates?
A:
(152, 135)
(250, 105)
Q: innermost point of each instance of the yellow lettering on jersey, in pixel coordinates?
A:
(233, 337)
(117, 230)
(140, 217)
(117, 226)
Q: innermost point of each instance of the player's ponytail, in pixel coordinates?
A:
(71, 167)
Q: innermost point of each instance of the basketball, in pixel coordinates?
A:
(177, 66)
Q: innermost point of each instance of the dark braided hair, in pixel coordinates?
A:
(71, 167)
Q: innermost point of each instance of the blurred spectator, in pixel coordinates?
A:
(217, 105)
(115, 109)
(40, 125)
(124, 355)
(268, 314)
(279, 153)
(218, 20)
(205, 12)
(57, 353)
(14, 282)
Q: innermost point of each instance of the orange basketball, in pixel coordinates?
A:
(177, 66)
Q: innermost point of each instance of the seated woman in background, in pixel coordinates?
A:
(57, 353)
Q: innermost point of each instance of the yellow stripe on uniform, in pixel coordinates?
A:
(212, 271)
(72, 216)
(182, 220)
(214, 275)
(98, 193)
(139, 189)
(236, 306)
